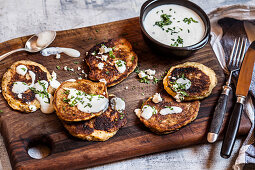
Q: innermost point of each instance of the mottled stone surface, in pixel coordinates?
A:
(20, 18)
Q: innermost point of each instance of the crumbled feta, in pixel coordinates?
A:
(79, 78)
(82, 71)
(174, 78)
(150, 77)
(103, 49)
(104, 57)
(150, 72)
(138, 112)
(78, 68)
(58, 56)
(65, 68)
(142, 74)
(157, 98)
(87, 53)
(126, 87)
(100, 66)
(71, 69)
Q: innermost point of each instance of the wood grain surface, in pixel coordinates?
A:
(19, 130)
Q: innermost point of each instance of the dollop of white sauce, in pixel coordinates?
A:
(186, 83)
(46, 104)
(57, 50)
(44, 38)
(148, 111)
(20, 87)
(117, 104)
(71, 80)
(191, 33)
(103, 80)
(100, 66)
(20, 95)
(157, 98)
(87, 102)
(54, 82)
(32, 108)
(21, 69)
(120, 65)
(170, 110)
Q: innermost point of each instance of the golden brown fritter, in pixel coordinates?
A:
(202, 78)
(100, 128)
(67, 113)
(164, 124)
(121, 50)
(28, 97)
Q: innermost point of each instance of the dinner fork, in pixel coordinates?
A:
(234, 64)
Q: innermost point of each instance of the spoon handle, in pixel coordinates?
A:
(11, 52)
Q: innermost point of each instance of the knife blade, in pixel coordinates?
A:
(242, 88)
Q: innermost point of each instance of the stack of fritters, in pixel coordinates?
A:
(98, 126)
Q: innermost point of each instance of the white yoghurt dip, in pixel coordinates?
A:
(174, 25)
(148, 111)
(89, 103)
(170, 110)
(57, 50)
(117, 104)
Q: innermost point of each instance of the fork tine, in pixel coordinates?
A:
(241, 48)
(232, 54)
(243, 52)
(236, 52)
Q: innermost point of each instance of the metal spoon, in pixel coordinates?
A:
(36, 43)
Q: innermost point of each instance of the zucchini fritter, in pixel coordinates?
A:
(111, 62)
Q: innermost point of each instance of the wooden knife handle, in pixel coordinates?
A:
(233, 126)
(218, 115)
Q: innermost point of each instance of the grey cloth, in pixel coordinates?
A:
(229, 23)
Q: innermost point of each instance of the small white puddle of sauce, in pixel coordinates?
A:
(87, 102)
(170, 110)
(21, 69)
(174, 25)
(57, 50)
(184, 82)
(148, 111)
(120, 66)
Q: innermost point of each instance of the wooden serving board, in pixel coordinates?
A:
(20, 130)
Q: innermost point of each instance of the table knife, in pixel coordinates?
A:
(242, 88)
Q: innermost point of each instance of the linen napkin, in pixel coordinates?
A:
(228, 23)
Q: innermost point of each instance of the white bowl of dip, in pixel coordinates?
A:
(174, 26)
